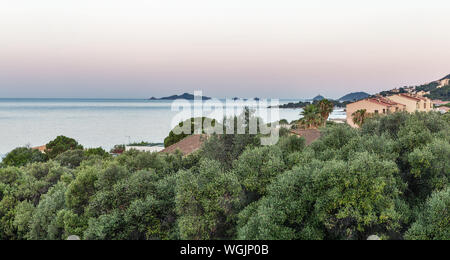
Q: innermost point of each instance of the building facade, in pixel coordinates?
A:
(378, 105)
(413, 102)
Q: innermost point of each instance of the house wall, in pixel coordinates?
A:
(412, 105)
(370, 107)
(397, 108)
(444, 82)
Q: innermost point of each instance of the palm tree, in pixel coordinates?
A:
(360, 116)
(325, 109)
(311, 116)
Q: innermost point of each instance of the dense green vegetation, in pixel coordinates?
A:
(389, 178)
(442, 93)
(22, 156)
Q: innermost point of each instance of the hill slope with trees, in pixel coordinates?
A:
(439, 89)
(354, 96)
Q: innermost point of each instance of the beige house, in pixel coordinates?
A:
(444, 82)
(413, 102)
(378, 105)
(422, 93)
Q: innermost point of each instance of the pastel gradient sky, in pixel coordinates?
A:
(264, 48)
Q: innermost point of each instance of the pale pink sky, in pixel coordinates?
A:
(265, 48)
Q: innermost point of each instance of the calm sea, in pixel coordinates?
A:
(92, 122)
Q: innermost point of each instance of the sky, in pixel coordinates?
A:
(247, 48)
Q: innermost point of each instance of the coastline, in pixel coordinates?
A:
(35, 122)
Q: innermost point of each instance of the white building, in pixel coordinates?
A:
(151, 149)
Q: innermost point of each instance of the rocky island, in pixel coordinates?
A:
(182, 96)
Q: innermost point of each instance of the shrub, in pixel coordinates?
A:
(60, 145)
(206, 202)
(23, 156)
(434, 221)
(71, 158)
(335, 200)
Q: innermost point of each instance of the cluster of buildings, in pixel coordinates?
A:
(409, 90)
(395, 103)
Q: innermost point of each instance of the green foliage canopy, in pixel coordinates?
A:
(389, 178)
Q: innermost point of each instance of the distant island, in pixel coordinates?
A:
(354, 96)
(183, 96)
(191, 97)
(245, 99)
(299, 104)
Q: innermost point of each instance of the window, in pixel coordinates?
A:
(376, 111)
(425, 105)
(384, 111)
(396, 109)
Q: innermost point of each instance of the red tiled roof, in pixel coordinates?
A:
(310, 135)
(187, 146)
(411, 97)
(40, 148)
(383, 101)
(391, 102)
(440, 102)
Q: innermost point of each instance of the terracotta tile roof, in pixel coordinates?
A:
(40, 148)
(187, 146)
(440, 102)
(391, 102)
(310, 135)
(444, 109)
(411, 97)
(383, 101)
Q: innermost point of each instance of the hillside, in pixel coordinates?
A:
(354, 96)
(439, 89)
(442, 93)
(318, 98)
(448, 77)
